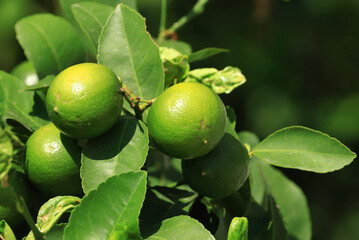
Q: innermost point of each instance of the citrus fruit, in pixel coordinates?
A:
(84, 100)
(219, 173)
(52, 162)
(26, 72)
(187, 120)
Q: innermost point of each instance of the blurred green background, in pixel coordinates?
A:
(301, 60)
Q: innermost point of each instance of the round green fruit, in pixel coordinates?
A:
(187, 120)
(221, 172)
(52, 162)
(84, 100)
(26, 72)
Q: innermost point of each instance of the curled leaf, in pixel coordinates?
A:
(223, 81)
(175, 65)
(52, 210)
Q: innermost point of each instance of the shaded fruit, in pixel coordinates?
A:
(221, 172)
(52, 162)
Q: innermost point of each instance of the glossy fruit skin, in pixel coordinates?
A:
(84, 100)
(187, 120)
(26, 72)
(221, 172)
(52, 162)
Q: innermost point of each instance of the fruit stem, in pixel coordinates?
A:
(139, 105)
(197, 9)
(22, 208)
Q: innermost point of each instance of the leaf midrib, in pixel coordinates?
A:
(130, 54)
(299, 151)
(58, 64)
(127, 203)
(17, 108)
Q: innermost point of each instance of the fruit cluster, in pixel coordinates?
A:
(186, 121)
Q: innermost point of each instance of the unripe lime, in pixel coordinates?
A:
(187, 120)
(26, 72)
(84, 100)
(221, 172)
(52, 162)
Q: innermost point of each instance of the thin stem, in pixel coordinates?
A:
(197, 9)
(137, 104)
(26, 213)
(163, 15)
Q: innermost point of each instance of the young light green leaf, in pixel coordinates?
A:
(91, 17)
(180, 46)
(223, 81)
(238, 230)
(127, 48)
(305, 149)
(175, 65)
(50, 213)
(19, 105)
(50, 43)
(266, 179)
(6, 232)
(42, 85)
(111, 211)
(124, 148)
(205, 53)
(66, 6)
(180, 228)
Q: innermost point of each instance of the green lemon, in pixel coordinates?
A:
(221, 172)
(187, 120)
(84, 100)
(26, 72)
(52, 162)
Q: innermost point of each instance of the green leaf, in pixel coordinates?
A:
(111, 211)
(163, 202)
(21, 106)
(53, 209)
(124, 148)
(6, 232)
(181, 228)
(91, 17)
(50, 43)
(42, 85)
(5, 154)
(286, 194)
(180, 46)
(231, 122)
(249, 138)
(135, 57)
(223, 81)
(163, 170)
(205, 53)
(50, 213)
(238, 230)
(277, 228)
(175, 65)
(55, 233)
(305, 149)
(66, 6)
